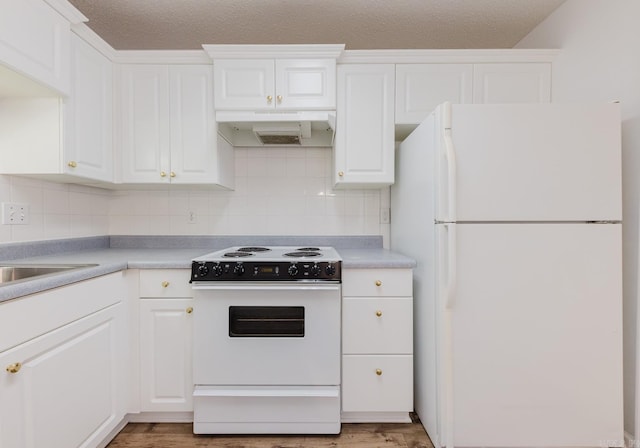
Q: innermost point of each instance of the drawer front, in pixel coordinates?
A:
(377, 383)
(377, 282)
(165, 283)
(377, 326)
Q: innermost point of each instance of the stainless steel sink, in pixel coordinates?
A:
(12, 273)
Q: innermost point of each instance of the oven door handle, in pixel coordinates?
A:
(241, 286)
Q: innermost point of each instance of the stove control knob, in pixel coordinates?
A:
(293, 270)
(217, 269)
(330, 269)
(238, 269)
(315, 270)
(203, 270)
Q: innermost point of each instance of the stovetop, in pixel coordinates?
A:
(268, 263)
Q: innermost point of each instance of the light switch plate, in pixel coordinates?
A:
(14, 213)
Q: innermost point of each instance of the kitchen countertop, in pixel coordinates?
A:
(108, 260)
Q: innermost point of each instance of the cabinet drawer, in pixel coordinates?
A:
(377, 282)
(377, 326)
(165, 283)
(377, 383)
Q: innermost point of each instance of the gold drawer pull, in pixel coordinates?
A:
(379, 313)
(340, 173)
(14, 368)
(163, 174)
(172, 174)
(269, 99)
(189, 310)
(379, 372)
(279, 98)
(165, 284)
(378, 283)
(72, 164)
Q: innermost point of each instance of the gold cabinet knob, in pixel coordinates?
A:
(189, 310)
(378, 283)
(269, 99)
(379, 313)
(378, 372)
(163, 174)
(165, 284)
(340, 173)
(173, 174)
(14, 368)
(279, 98)
(72, 164)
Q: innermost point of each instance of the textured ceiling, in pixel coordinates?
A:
(360, 24)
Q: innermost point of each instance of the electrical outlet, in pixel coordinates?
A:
(385, 215)
(14, 213)
(192, 218)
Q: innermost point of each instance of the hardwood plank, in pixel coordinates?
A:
(353, 435)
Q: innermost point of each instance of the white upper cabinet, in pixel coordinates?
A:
(512, 83)
(167, 127)
(64, 139)
(268, 84)
(364, 144)
(35, 40)
(421, 87)
(89, 124)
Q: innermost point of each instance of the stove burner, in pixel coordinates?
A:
(309, 249)
(253, 249)
(300, 254)
(237, 254)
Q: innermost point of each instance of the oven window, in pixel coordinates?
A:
(266, 321)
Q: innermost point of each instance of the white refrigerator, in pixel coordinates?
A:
(513, 213)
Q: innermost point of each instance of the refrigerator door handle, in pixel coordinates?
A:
(452, 271)
(450, 154)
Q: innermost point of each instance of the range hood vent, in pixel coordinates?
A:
(305, 129)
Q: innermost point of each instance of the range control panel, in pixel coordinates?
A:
(265, 271)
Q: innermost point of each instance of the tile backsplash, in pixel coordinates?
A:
(279, 191)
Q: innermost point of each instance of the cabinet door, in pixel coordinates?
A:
(193, 132)
(165, 355)
(512, 83)
(364, 145)
(377, 326)
(145, 124)
(66, 393)
(244, 84)
(377, 383)
(305, 84)
(34, 39)
(421, 87)
(88, 150)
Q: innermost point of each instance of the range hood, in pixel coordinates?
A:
(301, 128)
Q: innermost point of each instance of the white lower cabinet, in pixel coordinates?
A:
(64, 388)
(166, 383)
(377, 345)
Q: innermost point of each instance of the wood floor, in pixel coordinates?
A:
(354, 435)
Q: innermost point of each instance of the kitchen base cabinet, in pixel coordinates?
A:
(65, 388)
(165, 355)
(166, 384)
(377, 345)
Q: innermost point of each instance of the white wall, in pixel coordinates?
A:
(600, 61)
(278, 192)
(56, 210)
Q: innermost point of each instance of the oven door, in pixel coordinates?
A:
(266, 333)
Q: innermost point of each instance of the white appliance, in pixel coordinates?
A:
(513, 213)
(266, 355)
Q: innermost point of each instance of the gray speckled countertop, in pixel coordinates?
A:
(108, 260)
